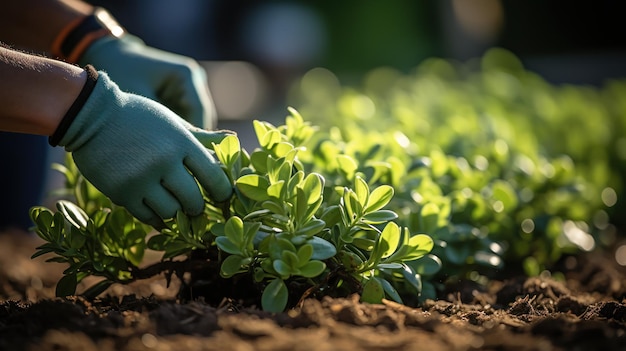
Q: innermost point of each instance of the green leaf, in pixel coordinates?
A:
(352, 205)
(331, 215)
(228, 150)
(346, 165)
(364, 243)
(389, 266)
(273, 207)
(136, 246)
(271, 138)
(427, 265)
(301, 207)
(311, 227)
(231, 266)
(379, 198)
(159, 242)
(279, 170)
(234, 230)
(421, 244)
(199, 225)
(275, 295)
(391, 236)
(390, 290)
(322, 249)
(176, 248)
(250, 233)
(373, 291)
(380, 247)
(361, 190)
(281, 149)
(258, 159)
(411, 277)
(183, 223)
(313, 186)
(380, 216)
(253, 186)
(43, 219)
(77, 238)
(73, 214)
(304, 254)
(275, 190)
(283, 268)
(261, 128)
(226, 245)
(312, 269)
(278, 245)
(67, 285)
(290, 258)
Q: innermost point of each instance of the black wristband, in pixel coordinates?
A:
(77, 105)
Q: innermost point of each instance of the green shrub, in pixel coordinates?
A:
(288, 231)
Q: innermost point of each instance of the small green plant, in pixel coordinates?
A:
(286, 230)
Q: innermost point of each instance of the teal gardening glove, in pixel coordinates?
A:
(139, 153)
(175, 81)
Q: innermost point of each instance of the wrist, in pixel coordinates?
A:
(72, 42)
(37, 91)
(75, 108)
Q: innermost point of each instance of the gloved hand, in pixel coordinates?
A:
(141, 154)
(176, 81)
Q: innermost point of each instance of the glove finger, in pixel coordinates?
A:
(186, 92)
(171, 93)
(162, 202)
(210, 175)
(198, 96)
(183, 187)
(145, 214)
(207, 138)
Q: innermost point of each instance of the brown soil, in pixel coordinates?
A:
(586, 311)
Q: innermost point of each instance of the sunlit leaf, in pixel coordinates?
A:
(361, 190)
(391, 236)
(253, 186)
(73, 214)
(379, 198)
(346, 165)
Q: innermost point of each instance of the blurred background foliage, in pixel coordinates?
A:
(275, 42)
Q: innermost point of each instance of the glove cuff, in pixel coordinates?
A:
(78, 35)
(77, 105)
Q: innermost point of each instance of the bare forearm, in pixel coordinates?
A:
(35, 92)
(33, 24)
